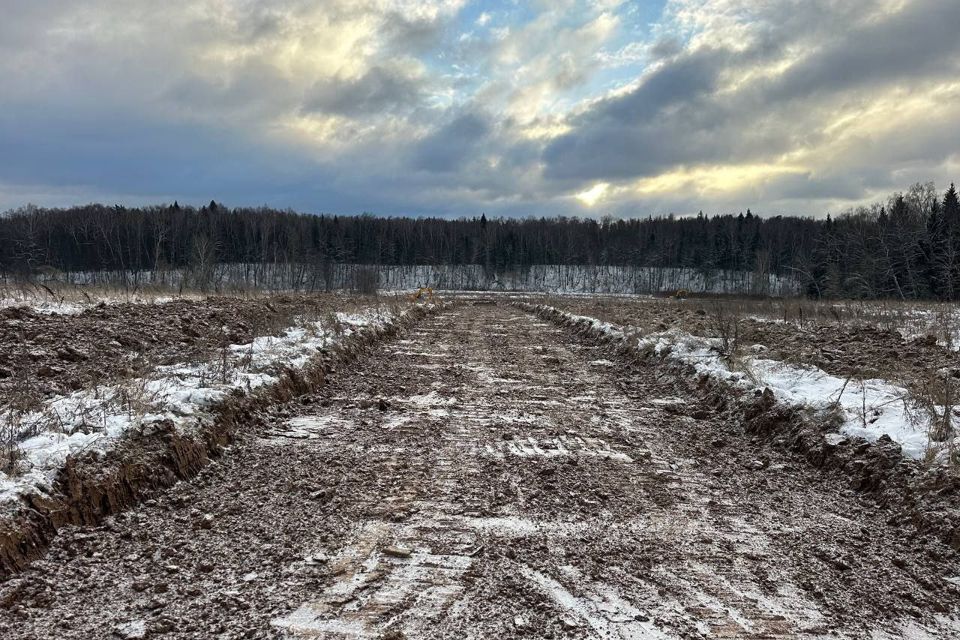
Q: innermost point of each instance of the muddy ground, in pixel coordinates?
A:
(42, 354)
(490, 476)
(848, 349)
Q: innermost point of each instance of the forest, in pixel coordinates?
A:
(907, 247)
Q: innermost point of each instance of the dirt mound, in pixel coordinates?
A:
(856, 350)
(43, 355)
(927, 498)
(93, 486)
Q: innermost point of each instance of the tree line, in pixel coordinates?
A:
(907, 247)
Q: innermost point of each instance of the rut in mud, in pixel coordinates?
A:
(488, 476)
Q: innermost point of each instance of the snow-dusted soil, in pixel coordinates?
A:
(184, 394)
(911, 340)
(880, 382)
(488, 476)
(867, 409)
(43, 355)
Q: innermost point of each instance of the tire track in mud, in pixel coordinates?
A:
(509, 399)
(488, 477)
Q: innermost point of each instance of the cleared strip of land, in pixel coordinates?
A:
(490, 475)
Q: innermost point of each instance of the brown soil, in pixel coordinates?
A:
(43, 355)
(94, 486)
(495, 476)
(854, 350)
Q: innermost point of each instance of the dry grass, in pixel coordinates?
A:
(910, 318)
(725, 322)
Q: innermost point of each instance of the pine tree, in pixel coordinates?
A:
(951, 208)
(950, 272)
(899, 211)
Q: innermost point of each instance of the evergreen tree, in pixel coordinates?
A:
(951, 208)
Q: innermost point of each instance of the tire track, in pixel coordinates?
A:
(488, 477)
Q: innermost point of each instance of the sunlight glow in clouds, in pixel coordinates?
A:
(592, 195)
(451, 107)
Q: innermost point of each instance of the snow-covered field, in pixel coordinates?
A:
(869, 408)
(548, 278)
(92, 419)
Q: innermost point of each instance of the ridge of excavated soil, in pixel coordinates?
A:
(43, 355)
(94, 485)
(927, 498)
(493, 475)
(855, 349)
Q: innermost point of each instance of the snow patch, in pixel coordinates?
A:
(183, 394)
(606, 613)
(869, 408)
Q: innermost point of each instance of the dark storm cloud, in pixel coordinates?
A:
(252, 87)
(808, 186)
(452, 146)
(103, 149)
(666, 47)
(678, 116)
(666, 120)
(920, 41)
(379, 90)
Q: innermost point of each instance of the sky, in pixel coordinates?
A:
(456, 107)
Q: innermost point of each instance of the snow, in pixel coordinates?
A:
(943, 323)
(595, 324)
(555, 278)
(604, 612)
(132, 630)
(869, 408)
(49, 305)
(184, 394)
(42, 306)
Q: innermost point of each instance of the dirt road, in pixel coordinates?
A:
(488, 476)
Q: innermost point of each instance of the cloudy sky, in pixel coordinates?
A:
(453, 107)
